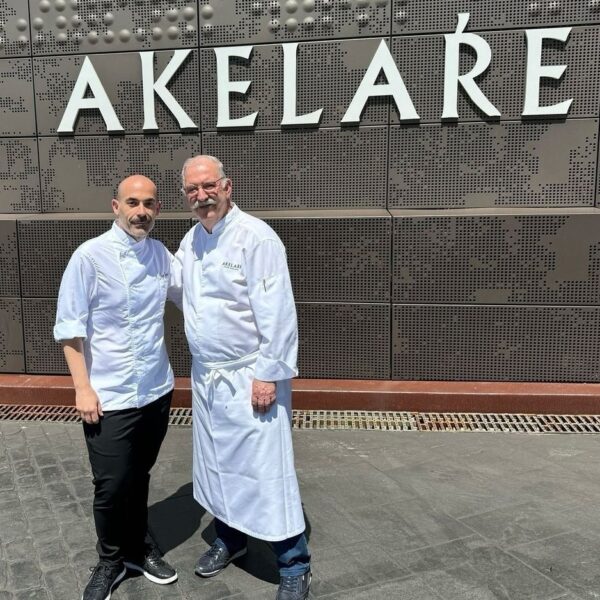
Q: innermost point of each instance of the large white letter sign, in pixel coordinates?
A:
(535, 71)
(290, 117)
(160, 87)
(382, 61)
(452, 75)
(88, 77)
(226, 87)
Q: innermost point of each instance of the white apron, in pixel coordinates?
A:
(243, 461)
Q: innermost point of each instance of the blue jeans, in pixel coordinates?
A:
(293, 556)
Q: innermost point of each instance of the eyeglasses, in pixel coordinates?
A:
(208, 186)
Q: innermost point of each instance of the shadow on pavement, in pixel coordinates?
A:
(175, 519)
(260, 561)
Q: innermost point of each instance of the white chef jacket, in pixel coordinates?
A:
(113, 295)
(237, 295)
(240, 321)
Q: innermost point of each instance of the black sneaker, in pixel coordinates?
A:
(103, 579)
(154, 567)
(294, 587)
(215, 559)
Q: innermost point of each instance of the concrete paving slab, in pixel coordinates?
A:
(390, 515)
(572, 560)
(410, 588)
(409, 525)
(517, 524)
(454, 488)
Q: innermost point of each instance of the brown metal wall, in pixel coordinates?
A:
(466, 251)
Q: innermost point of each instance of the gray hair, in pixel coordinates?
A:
(199, 157)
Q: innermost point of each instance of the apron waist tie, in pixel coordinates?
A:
(220, 370)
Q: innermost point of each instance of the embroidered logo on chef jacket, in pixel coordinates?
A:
(231, 266)
(163, 283)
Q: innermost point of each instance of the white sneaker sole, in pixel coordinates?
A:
(231, 559)
(119, 578)
(148, 576)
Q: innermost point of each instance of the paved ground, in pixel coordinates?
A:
(391, 516)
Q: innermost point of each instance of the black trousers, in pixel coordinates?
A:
(123, 447)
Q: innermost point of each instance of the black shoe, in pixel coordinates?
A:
(103, 579)
(154, 567)
(294, 587)
(215, 559)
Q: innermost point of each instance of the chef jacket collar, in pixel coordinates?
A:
(228, 218)
(127, 240)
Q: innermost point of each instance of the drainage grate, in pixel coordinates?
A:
(417, 421)
(17, 412)
(180, 416)
(362, 420)
(68, 414)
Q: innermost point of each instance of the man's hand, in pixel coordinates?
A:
(88, 405)
(263, 395)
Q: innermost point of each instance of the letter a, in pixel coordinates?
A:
(382, 61)
(88, 77)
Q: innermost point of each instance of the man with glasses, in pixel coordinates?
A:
(240, 321)
(110, 322)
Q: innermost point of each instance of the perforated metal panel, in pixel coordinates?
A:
(598, 181)
(433, 15)
(491, 273)
(42, 353)
(502, 343)
(121, 77)
(17, 116)
(502, 164)
(45, 248)
(19, 176)
(79, 174)
(177, 346)
(9, 259)
(536, 259)
(171, 231)
(339, 260)
(12, 355)
(72, 26)
(14, 29)
(328, 75)
(420, 60)
(229, 21)
(304, 169)
(344, 341)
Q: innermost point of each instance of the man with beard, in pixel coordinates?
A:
(240, 321)
(110, 322)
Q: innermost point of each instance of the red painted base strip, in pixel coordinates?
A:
(352, 394)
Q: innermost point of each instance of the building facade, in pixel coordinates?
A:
(431, 167)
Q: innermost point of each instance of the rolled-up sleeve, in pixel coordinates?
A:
(74, 298)
(274, 311)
